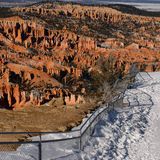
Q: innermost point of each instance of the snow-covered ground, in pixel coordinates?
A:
(149, 6)
(128, 133)
(131, 133)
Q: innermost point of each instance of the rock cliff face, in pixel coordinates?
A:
(77, 11)
(30, 34)
(81, 12)
(40, 61)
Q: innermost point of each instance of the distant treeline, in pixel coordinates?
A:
(133, 10)
(6, 12)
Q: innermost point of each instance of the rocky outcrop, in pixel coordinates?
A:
(30, 34)
(77, 11)
(19, 90)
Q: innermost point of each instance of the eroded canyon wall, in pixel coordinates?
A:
(39, 63)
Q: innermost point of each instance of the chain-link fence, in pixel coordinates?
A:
(12, 151)
(48, 145)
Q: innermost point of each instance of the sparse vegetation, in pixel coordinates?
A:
(6, 12)
(107, 72)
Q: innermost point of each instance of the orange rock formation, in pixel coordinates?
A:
(39, 63)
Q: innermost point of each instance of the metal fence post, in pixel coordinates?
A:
(90, 130)
(40, 147)
(80, 140)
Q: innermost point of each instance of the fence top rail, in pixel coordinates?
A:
(37, 133)
(37, 141)
(92, 116)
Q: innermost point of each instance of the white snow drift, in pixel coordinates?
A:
(131, 133)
